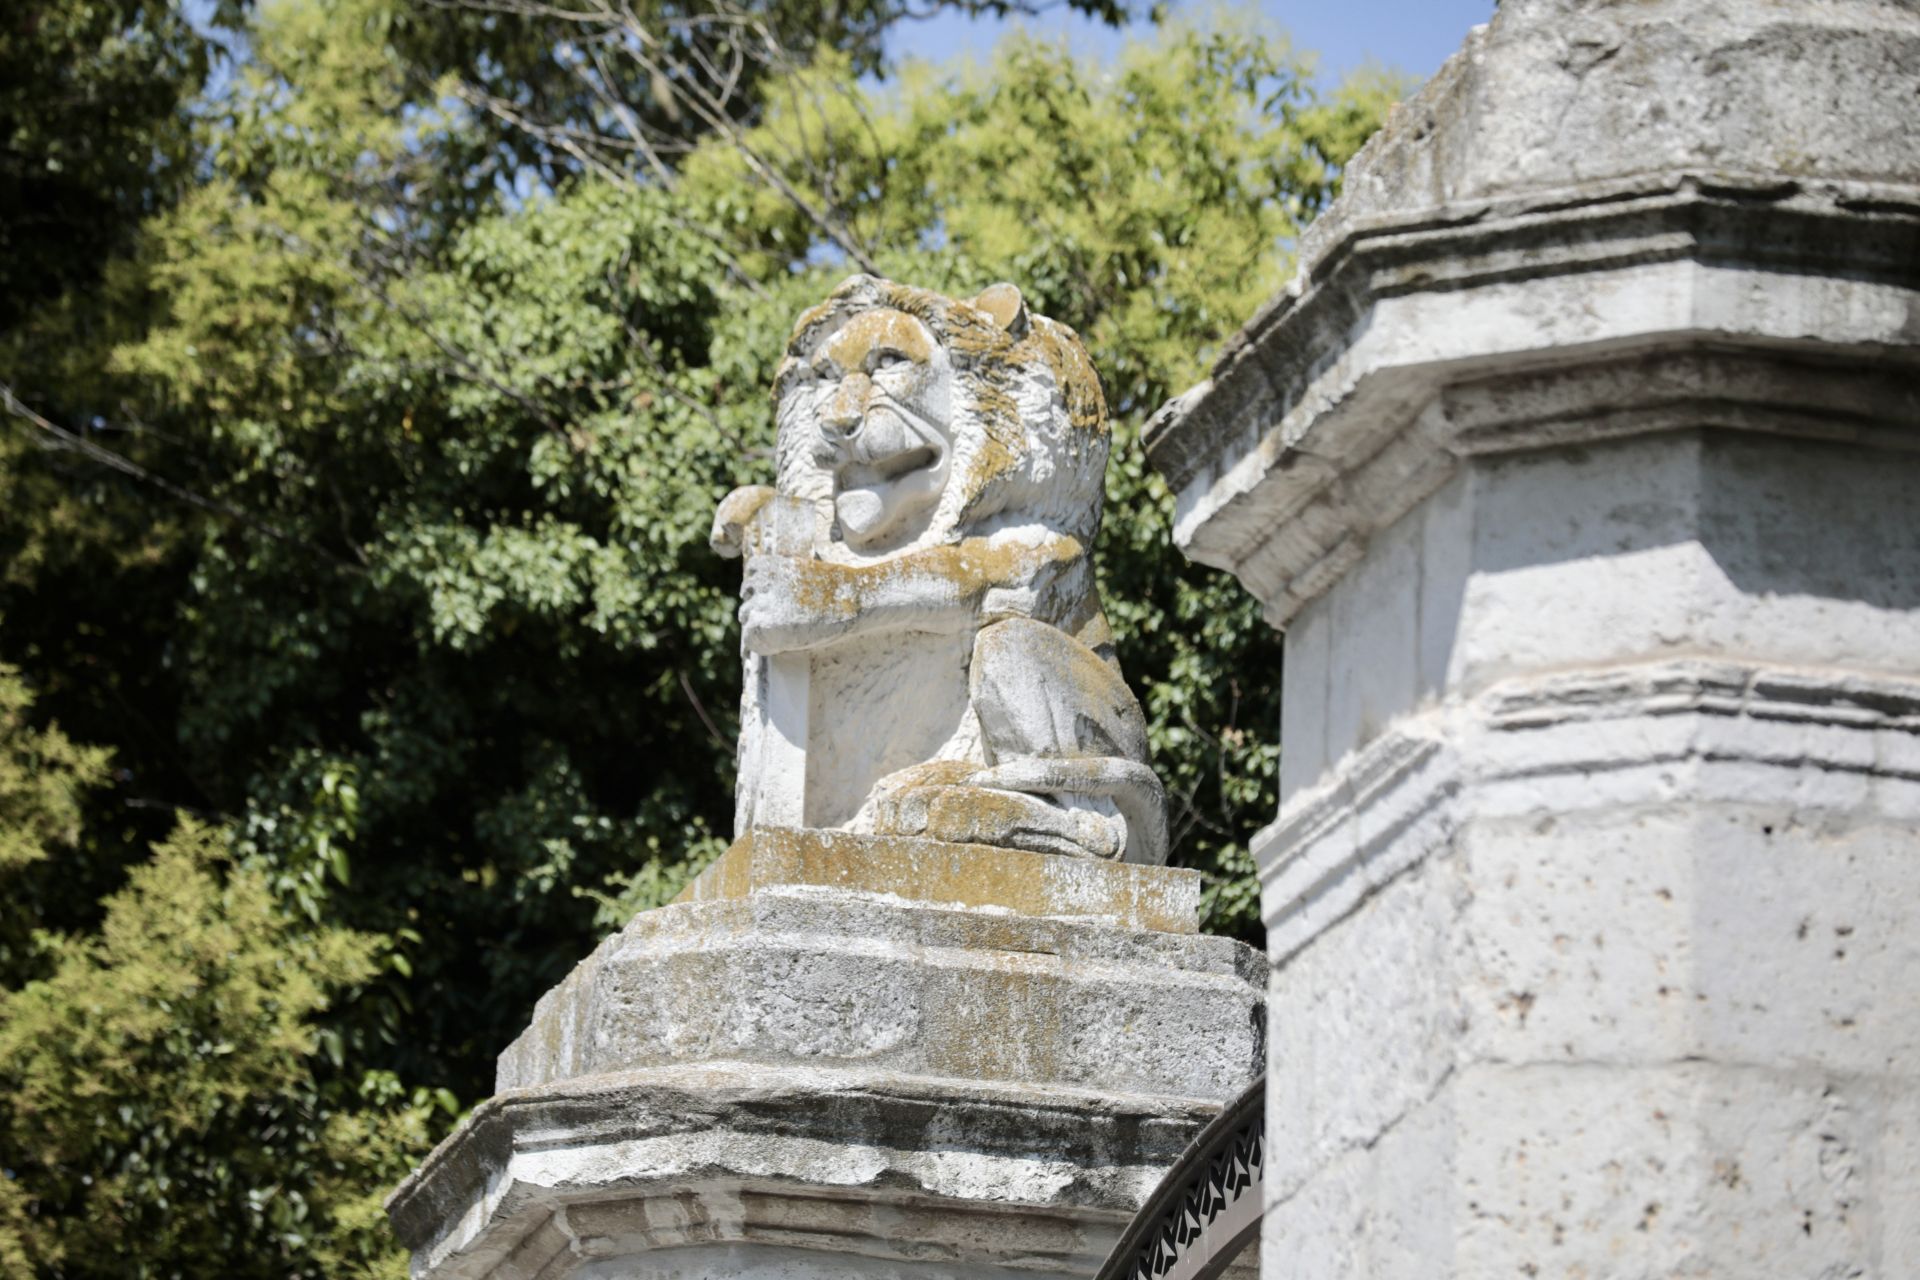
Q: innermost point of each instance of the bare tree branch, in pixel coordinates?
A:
(696, 66)
(700, 709)
(74, 442)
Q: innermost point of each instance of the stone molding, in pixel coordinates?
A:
(1552, 199)
(1555, 321)
(794, 981)
(1692, 731)
(1725, 219)
(797, 861)
(834, 1161)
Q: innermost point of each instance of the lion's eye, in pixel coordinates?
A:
(888, 359)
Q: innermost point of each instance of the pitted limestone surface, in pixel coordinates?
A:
(802, 976)
(1577, 463)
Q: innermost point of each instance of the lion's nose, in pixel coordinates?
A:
(848, 408)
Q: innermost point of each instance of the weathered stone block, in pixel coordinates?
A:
(818, 1063)
(789, 861)
(809, 978)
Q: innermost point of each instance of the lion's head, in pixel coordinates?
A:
(923, 419)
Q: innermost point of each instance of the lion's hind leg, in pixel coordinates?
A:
(1065, 752)
(1059, 724)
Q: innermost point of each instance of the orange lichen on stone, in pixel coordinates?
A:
(885, 330)
(777, 859)
(971, 568)
(1073, 374)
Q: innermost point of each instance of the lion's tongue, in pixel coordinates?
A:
(859, 509)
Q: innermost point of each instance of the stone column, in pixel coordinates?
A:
(1579, 466)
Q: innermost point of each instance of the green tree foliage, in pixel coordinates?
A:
(363, 504)
(162, 1079)
(161, 1111)
(43, 777)
(93, 135)
(44, 780)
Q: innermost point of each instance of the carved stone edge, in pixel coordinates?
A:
(1315, 431)
(1736, 732)
(1763, 220)
(522, 1158)
(951, 942)
(942, 875)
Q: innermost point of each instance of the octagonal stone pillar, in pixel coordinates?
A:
(1578, 464)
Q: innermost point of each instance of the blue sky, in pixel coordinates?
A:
(1414, 36)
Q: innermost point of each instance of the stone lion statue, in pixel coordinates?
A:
(947, 461)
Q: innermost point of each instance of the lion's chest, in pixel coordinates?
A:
(878, 704)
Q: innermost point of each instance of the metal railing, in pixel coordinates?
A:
(1206, 1211)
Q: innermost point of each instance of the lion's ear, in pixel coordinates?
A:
(1003, 302)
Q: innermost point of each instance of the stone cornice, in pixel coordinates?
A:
(1613, 738)
(508, 1179)
(1331, 415)
(1762, 220)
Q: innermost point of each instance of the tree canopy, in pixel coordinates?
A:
(362, 436)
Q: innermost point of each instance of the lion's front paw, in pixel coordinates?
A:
(785, 604)
(737, 510)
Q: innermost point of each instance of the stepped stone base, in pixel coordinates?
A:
(852, 1056)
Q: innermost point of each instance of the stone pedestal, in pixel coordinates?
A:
(852, 1056)
(1579, 465)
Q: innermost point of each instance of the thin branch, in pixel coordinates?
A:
(693, 82)
(76, 443)
(699, 709)
(502, 111)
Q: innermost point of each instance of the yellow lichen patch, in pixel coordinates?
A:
(827, 590)
(1073, 374)
(934, 773)
(1014, 1032)
(1128, 896)
(971, 567)
(979, 564)
(922, 304)
(879, 331)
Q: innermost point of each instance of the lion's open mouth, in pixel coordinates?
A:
(862, 475)
(894, 473)
(889, 447)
